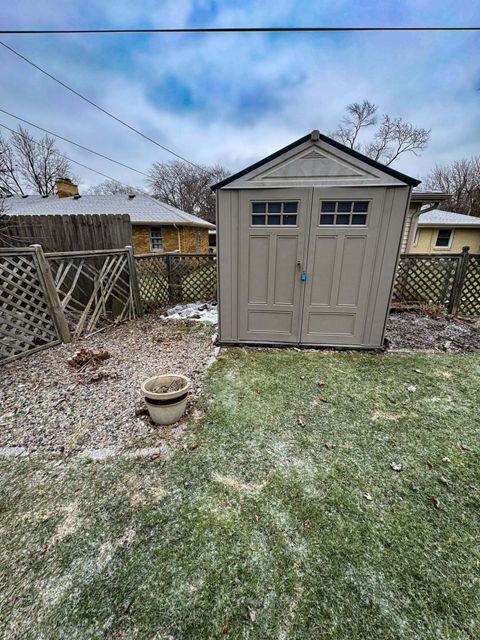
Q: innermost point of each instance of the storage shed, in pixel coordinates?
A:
(308, 241)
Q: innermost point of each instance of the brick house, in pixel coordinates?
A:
(156, 227)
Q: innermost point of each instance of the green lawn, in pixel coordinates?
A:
(257, 529)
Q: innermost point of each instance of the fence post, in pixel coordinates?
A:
(134, 281)
(173, 278)
(457, 285)
(53, 301)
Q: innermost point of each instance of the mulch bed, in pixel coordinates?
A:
(62, 401)
(417, 330)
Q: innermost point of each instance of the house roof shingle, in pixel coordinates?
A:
(439, 218)
(141, 208)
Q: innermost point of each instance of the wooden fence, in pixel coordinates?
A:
(53, 297)
(79, 232)
(451, 281)
(171, 278)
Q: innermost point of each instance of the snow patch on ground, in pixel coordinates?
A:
(206, 312)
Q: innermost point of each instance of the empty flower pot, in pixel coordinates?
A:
(166, 397)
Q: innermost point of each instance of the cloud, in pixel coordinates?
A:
(232, 99)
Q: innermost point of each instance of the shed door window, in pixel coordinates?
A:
(344, 212)
(156, 241)
(273, 214)
(444, 238)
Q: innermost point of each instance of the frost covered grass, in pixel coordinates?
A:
(280, 517)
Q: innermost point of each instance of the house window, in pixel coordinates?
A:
(344, 212)
(156, 241)
(274, 214)
(444, 239)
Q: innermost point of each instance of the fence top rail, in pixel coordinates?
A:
(15, 251)
(84, 254)
(174, 254)
(434, 256)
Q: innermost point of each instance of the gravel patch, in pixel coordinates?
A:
(414, 330)
(48, 406)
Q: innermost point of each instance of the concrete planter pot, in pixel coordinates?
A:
(166, 407)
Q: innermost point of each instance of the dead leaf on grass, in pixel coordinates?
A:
(323, 399)
(411, 388)
(252, 614)
(367, 496)
(429, 464)
(307, 524)
(465, 447)
(226, 629)
(418, 371)
(435, 502)
(301, 421)
(329, 445)
(322, 383)
(446, 460)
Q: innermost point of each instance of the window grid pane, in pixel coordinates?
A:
(337, 212)
(279, 213)
(156, 239)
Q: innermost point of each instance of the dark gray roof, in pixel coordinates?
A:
(359, 156)
(141, 208)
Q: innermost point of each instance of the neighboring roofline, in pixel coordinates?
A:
(464, 225)
(186, 223)
(429, 196)
(355, 154)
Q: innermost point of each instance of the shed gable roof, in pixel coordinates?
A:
(315, 159)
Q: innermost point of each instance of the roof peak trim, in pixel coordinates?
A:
(355, 154)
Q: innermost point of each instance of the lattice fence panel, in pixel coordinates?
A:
(173, 278)
(152, 278)
(94, 288)
(193, 278)
(425, 279)
(470, 298)
(25, 321)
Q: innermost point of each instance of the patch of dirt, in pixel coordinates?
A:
(51, 407)
(414, 330)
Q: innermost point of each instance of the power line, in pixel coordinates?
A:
(231, 30)
(77, 144)
(66, 157)
(100, 108)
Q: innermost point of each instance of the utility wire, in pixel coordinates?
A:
(232, 30)
(77, 144)
(17, 133)
(97, 106)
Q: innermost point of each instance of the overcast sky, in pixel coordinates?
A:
(232, 99)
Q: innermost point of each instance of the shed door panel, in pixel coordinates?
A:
(341, 248)
(273, 226)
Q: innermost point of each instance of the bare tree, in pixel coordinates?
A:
(112, 187)
(462, 180)
(27, 163)
(188, 188)
(392, 138)
(360, 115)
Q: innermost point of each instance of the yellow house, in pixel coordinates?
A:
(157, 227)
(443, 232)
(420, 202)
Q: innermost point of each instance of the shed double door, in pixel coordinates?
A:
(305, 263)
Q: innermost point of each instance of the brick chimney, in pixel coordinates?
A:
(65, 188)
